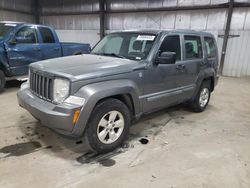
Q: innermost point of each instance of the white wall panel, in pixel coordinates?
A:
(169, 3)
(134, 20)
(154, 21)
(216, 19)
(81, 36)
(182, 20)
(21, 5)
(238, 18)
(199, 20)
(237, 55)
(247, 20)
(84, 22)
(13, 16)
(168, 20)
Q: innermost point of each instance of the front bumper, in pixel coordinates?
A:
(57, 117)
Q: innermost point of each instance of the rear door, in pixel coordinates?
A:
(26, 50)
(192, 64)
(50, 47)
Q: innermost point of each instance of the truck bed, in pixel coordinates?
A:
(69, 48)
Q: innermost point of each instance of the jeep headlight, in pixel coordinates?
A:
(60, 90)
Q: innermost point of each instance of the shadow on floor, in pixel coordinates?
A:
(13, 84)
(71, 149)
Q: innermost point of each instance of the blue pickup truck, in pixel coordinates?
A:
(22, 44)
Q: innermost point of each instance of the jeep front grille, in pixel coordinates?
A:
(41, 85)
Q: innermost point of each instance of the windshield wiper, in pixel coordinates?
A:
(111, 54)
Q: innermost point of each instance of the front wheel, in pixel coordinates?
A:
(108, 125)
(2, 81)
(202, 98)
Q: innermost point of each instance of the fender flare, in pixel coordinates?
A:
(207, 74)
(93, 93)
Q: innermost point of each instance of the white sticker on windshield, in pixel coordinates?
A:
(145, 37)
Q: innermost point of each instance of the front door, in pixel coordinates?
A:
(162, 81)
(24, 50)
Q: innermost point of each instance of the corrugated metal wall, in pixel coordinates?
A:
(237, 60)
(16, 10)
(212, 20)
(72, 25)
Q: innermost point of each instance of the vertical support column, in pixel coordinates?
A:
(102, 7)
(37, 11)
(227, 30)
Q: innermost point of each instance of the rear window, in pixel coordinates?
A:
(47, 35)
(210, 47)
(193, 47)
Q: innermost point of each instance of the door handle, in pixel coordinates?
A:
(180, 67)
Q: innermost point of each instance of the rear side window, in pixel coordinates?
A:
(47, 35)
(210, 47)
(193, 47)
(172, 44)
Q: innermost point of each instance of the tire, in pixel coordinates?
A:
(108, 126)
(2, 81)
(202, 98)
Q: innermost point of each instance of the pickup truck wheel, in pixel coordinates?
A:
(202, 98)
(108, 126)
(2, 81)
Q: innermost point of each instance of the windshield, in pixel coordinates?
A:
(5, 28)
(135, 46)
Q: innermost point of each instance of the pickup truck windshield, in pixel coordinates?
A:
(135, 46)
(5, 28)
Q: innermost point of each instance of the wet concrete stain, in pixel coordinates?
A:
(103, 159)
(127, 145)
(143, 141)
(107, 162)
(79, 142)
(20, 149)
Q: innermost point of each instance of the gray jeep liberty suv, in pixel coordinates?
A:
(127, 74)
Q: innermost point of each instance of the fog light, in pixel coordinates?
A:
(75, 117)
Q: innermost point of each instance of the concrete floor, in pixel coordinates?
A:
(185, 149)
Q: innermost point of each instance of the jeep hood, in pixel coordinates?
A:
(86, 66)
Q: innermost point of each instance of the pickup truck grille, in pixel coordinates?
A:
(41, 85)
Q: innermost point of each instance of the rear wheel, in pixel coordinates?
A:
(2, 81)
(202, 98)
(108, 126)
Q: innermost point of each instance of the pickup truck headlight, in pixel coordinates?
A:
(60, 90)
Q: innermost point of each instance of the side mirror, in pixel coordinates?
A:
(167, 58)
